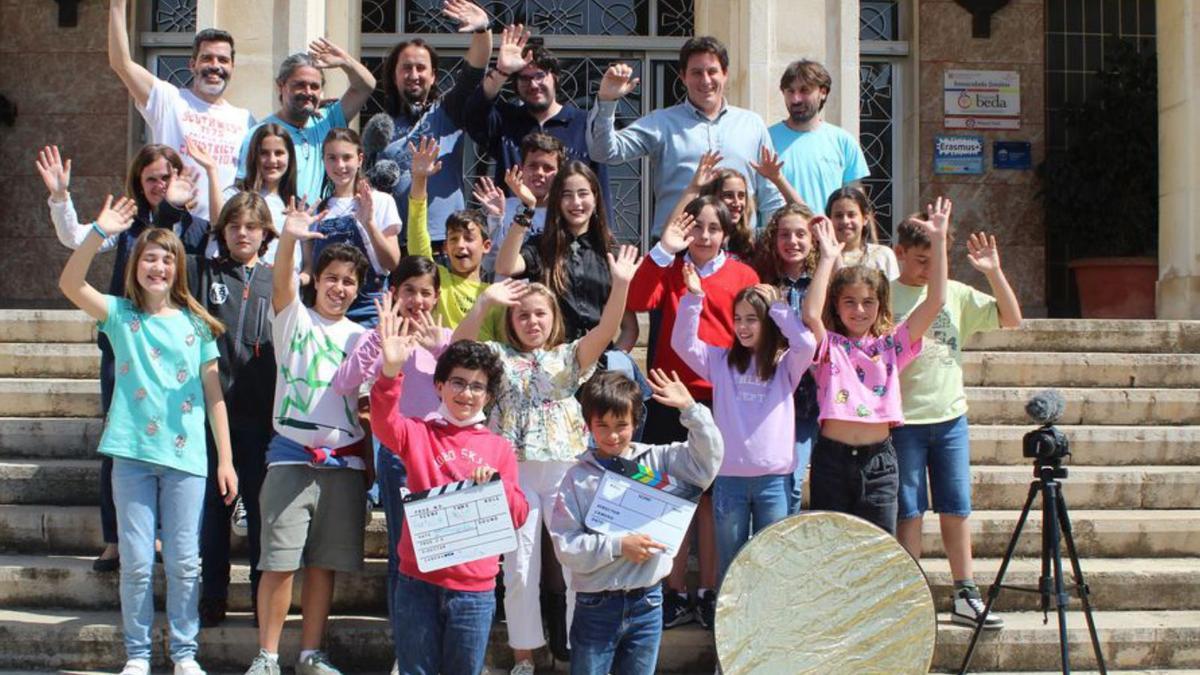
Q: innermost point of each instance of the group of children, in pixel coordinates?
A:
(806, 343)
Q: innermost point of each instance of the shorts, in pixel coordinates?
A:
(312, 518)
(940, 453)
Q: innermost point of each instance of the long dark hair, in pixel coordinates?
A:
(770, 340)
(253, 182)
(148, 155)
(394, 101)
(739, 242)
(339, 134)
(554, 247)
(870, 231)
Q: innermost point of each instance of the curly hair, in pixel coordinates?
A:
(470, 355)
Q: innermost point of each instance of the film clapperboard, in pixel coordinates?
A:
(458, 523)
(635, 499)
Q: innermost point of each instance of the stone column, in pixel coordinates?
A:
(763, 36)
(1178, 163)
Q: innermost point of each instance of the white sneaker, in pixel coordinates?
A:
(136, 667)
(239, 523)
(968, 607)
(522, 668)
(395, 668)
(188, 667)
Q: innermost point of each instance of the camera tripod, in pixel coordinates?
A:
(1056, 526)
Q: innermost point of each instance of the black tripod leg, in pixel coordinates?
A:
(1051, 550)
(1081, 586)
(994, 589)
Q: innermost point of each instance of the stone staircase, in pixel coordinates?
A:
(1133, 418)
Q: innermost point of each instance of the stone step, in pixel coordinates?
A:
(1116, 584)
(45, 639)
(74, 482)
(1056, 369)
(50, 437)
(1089, 335)
(46, 325)
(1006, 405)
(49, 359)
(49, 397)
(66, 530)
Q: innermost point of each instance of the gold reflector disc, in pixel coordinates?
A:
(824, 593)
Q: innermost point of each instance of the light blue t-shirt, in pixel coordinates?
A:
(310, 169)
(157, 413)
(818, 162)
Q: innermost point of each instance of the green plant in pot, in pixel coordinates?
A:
(1101, 193)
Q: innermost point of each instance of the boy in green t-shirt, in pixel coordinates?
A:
(934, 437)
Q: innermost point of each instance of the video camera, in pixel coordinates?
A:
(1046, 444)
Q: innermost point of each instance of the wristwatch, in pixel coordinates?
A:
(526, 212)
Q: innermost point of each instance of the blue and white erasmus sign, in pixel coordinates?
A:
(957, 154)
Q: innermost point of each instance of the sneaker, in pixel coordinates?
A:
(706, 608)
(188, 667)
(395, 668)
(136, 667)
(212, 612)
(968, 607)
(677, 611)
(263, 665)
(239, 523)
(316, 664)
(522, 668)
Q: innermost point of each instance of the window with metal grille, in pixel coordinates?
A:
(883, 50)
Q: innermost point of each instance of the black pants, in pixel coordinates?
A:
(860, 480)
(250, 462)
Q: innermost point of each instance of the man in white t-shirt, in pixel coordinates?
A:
(199, 114)
(818, 157)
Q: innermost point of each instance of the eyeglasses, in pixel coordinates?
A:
(458, 385)
(536, 77)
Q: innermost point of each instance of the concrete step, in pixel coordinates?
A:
(46, 325)
(1006, 405)
(50, 437)
(1000, 444)
(357, 643)
(49, 359)
(1056, 369)
(73, 482)
(1088, 335)
(49, 397)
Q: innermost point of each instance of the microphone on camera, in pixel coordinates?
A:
(377, 134)
(1045, 407)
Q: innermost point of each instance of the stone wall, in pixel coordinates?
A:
(999, 201)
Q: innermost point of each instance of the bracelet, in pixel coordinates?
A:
(521, 220)
(97, 230)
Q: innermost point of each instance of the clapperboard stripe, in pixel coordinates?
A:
(645, 475)
(446, 489)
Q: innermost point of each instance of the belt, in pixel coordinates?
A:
(632, 594)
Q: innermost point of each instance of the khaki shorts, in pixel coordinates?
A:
(312, 518)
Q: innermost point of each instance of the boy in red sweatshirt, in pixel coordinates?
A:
(447, 612)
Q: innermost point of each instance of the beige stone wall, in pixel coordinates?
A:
(66, 95)
(999, 201)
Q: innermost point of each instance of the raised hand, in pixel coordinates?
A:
(181, 188)
(669, 391)
(691, 279)
(424, 156)
(325, 54)
(490, 197)
(769, 165)
(510, 57)
(55, 173)
(469, 16)
(514, 178)
(364, 209)
(638, 548)
(624, 264)
(677, 235)
(508, 292)
(822, 229)
(298, 221)
(770, 293)
(617, 82)
(116, 217)
(426, 330)
(938, 213)
(982, 252)
(394, 341)
(706, 170)
(200, 155)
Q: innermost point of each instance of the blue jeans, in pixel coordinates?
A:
(145, 494)
(617, 632)
(806, 435)
(944, 448)
(390, 476)
(744, 503)
(445, 631)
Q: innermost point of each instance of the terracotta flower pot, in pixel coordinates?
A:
(1116, 288)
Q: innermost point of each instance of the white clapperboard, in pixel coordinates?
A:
(635, 499)
(458, 523)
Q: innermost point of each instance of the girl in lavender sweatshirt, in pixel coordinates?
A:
(753, 382)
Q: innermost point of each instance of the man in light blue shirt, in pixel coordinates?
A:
(300, 82)
(818, 157)
(674, 138)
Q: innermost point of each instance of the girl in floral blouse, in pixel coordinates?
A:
(536, 410)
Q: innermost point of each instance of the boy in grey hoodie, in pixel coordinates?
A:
(617, 625)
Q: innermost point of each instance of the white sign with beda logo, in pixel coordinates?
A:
(982, 99)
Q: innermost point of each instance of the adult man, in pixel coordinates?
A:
(500, 126)
(674, 138)
(199, 113)
(300, 82)
(817, 156)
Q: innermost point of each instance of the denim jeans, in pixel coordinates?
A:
(942, 449)
(860, 480)
(390, 476)
(445, 631)
(250, 462)
(806, 435)
(617, 632)
(742, 504)
(145, 494)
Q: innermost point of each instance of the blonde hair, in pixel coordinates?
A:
(179, 294)
(557, 331)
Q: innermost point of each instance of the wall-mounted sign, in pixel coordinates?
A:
(957, 155)
(982, 99)
(1012, 155)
